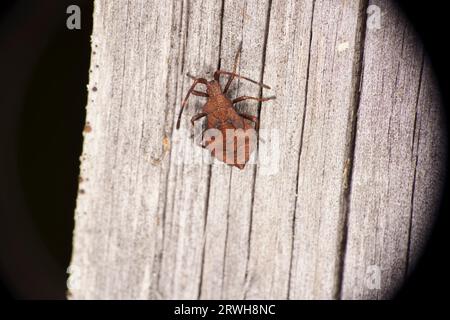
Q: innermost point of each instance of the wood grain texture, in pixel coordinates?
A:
(347, 177)
(274, 198)
(386, 159)
(231, 191)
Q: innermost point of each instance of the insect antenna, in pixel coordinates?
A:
(242, 77)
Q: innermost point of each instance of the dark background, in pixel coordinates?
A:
(44, 68)
(44, 72)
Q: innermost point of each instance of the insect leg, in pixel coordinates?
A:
(202, 144)
(198, 116)
(243, 98)
(231, 78)
(196, 81)
(195, 92)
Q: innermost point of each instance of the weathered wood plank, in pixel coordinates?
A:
(384, 159)
(430, 147)
(154, 220)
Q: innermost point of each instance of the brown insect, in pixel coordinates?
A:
(224, 118)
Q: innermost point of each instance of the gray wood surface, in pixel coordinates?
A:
(342, 198)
